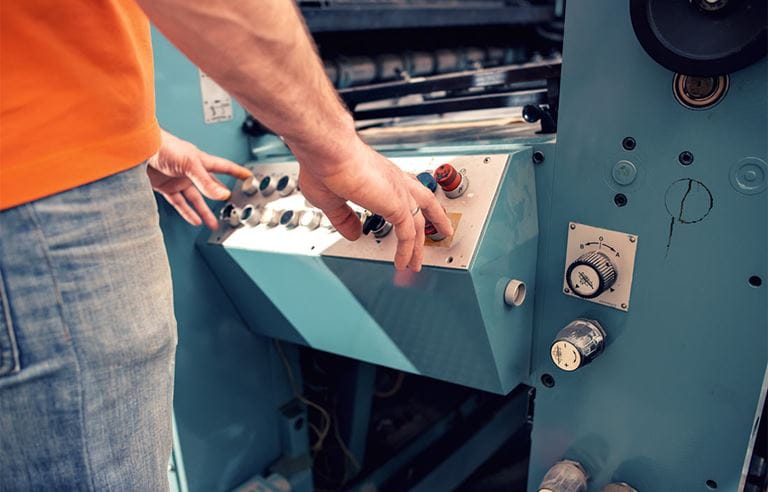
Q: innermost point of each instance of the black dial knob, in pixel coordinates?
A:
(590, 275)
(377, 225)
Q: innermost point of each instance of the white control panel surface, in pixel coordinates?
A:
(282, 221)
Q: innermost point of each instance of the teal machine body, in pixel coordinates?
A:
(671, 400)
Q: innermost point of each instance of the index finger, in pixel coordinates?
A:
(402, 221)
(224, 166)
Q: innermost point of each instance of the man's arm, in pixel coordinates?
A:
(261, 52)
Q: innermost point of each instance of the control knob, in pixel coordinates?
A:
(286, 185)
(271, 217)
(453, 183)
(230, 214)
(311, 219)
(377, 225)
(427, 180)
(577, 344)
(289, 219)
(267, 185)
(564, 476)
(251, 185)
(431, 231)
(250, 215)
(590, 275)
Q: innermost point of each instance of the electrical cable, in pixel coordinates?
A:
(321, 434)
(395, 387)
(343, 445)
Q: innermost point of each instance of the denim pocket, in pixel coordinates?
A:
(9, 351)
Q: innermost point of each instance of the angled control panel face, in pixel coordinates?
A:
(269, 213)
(599, 265)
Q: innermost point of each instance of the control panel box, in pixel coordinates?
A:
(466, 317)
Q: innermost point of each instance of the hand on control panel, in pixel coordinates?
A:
(370, 180)
(183, 174)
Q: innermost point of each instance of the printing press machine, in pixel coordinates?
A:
(599, 319)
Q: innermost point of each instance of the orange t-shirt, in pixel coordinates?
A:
(76, 94)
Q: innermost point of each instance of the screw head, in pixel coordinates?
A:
(486, 160)
(623, 305)
(573, 226)
(567, 290)
(685, 158)
(629, 143)
(547, 380)
(620, 199)
(632, 239)
(538, 157)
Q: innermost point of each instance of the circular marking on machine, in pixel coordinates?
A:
(749, 176)
(624, 172)
(688, 201)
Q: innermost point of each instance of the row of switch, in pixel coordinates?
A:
(311, 219)
(253, 216)
(452, 182)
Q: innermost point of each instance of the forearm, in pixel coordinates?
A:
(260, 51)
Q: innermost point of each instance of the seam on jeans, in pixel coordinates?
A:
(60, 307)
(13, 347)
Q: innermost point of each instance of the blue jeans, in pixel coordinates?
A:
(87, 341)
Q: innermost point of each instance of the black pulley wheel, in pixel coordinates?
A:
(702, 37)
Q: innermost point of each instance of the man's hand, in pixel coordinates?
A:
(182, 173)
(370, 180)
(260, 51)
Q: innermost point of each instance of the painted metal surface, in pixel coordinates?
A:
(447, 324)
(672, 401)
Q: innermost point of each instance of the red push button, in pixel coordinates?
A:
(453, 183)
(447, 177)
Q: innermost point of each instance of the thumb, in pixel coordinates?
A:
(345, 220)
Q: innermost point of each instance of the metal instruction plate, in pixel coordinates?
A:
(618, 247)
